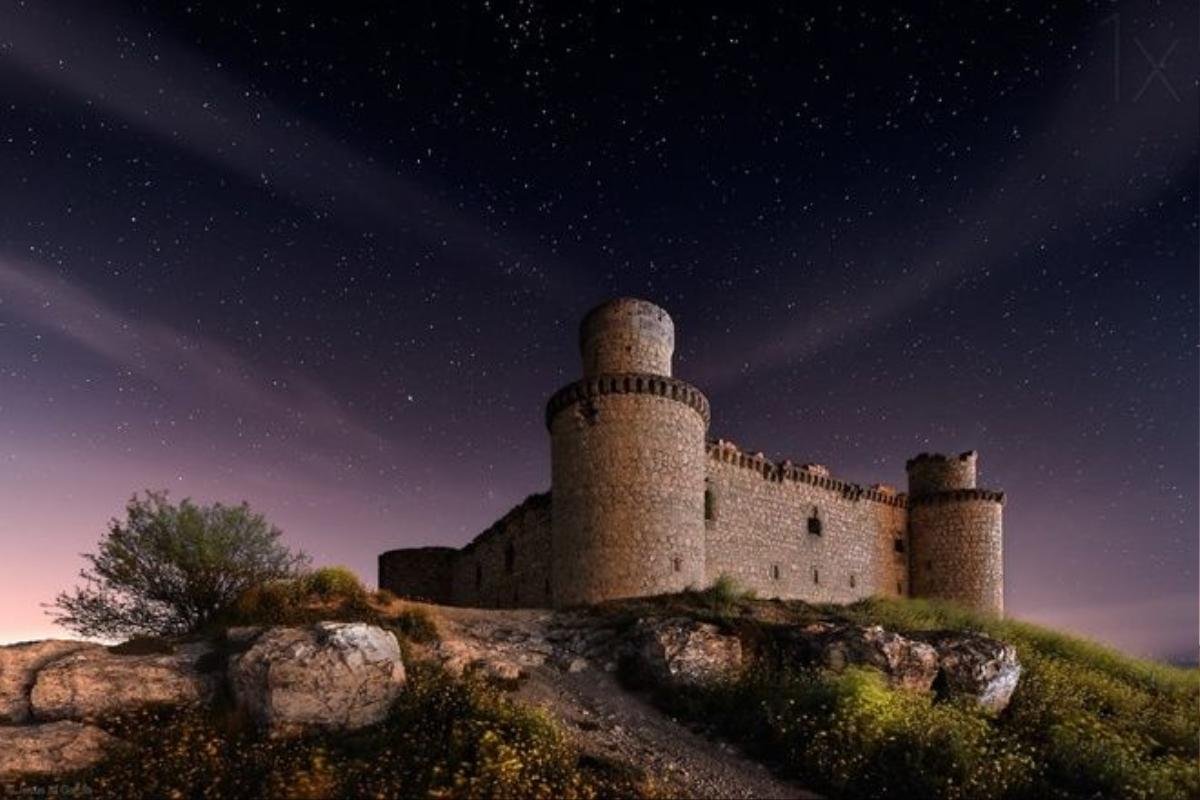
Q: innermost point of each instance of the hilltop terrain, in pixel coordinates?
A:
(700, 694)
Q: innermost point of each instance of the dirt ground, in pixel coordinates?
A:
(605, 719)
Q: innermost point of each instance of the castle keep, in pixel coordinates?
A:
(641, 503)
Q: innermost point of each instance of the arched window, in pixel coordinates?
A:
(677, 564)
(816, 576)
(853, 581)
(775, 572)
(814, 523)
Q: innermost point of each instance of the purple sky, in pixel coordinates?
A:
(332, 263)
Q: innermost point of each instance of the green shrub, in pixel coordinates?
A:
(330, 593)
(272, 603)
(167, 569)
(330, 583)
(444, 738)
(724, 596)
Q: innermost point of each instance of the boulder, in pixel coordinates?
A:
(976, 666)
(51, 749)
(19, 665)
(680, 652)
(331, 675)
(907, 663)
(93, 682)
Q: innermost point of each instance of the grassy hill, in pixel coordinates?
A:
(1084, 722)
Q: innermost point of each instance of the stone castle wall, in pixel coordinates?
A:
(641, 505)
(957, 547)
(628, 508)
(420, 573)
(508, 565)
(791, 532)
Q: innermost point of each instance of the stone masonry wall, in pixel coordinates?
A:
(761, 537)
(957, 548)
(508, 565)
(930, 473)
(628, 478)
(420, 573)
(627, 335)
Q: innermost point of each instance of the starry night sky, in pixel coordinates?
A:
(332, 261)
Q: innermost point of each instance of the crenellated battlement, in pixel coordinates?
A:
(966, 455)
(814, 474)
(931, 473)
(628, 383)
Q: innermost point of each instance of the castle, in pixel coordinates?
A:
(642, 503)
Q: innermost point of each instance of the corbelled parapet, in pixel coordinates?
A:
(591, 388)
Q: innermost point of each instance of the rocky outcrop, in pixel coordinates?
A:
(94, 682)
(907, 664)
(331, 675)
(506, 650)
(54, 748)
(952, 664)
(681, 652)
(19, 665)
(976, 666)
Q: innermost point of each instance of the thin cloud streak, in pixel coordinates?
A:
(184, 365)
(1085, 143)
(201, 114)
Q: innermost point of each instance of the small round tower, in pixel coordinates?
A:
(626, 335)
(955, 532)
(627, 463)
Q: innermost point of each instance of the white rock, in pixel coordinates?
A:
(973, 665)
(332, 675)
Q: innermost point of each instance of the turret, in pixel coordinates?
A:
(955, 532)
(627, 461)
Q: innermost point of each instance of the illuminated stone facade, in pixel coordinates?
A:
(642, 503)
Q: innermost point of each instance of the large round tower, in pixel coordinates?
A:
(955, 532)
(627, 463)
